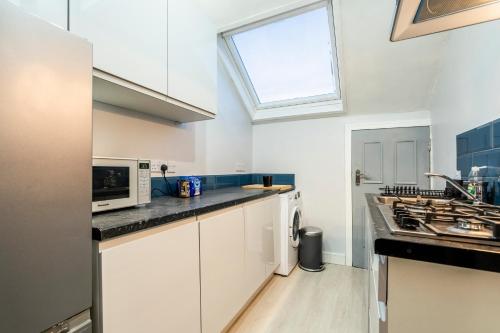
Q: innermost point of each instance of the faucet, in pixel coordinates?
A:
(454, 184)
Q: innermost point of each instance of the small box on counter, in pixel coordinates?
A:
(188, 187)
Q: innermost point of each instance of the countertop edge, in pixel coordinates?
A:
(140, 225)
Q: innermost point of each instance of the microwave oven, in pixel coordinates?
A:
(119, 183)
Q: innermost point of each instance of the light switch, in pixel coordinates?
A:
(171, 166)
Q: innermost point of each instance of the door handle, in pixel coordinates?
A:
(359, 175)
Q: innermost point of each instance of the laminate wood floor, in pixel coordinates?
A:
(330, 301)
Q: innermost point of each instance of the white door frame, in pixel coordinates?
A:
(349, 128)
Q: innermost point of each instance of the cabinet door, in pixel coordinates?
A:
(152, 284)
(276, 210)
(372, 276)
(259, 242)
(192, 55)
(129, 38)
(222, 260)
(53, 11)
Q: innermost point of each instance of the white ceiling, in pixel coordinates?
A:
(228, 14)
(379, 76)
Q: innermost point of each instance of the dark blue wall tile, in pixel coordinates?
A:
(157, 183)
(284, 179)
(464, 164)
(497, 193)
(480, 159)
(494, 162)
(496, 133)
(463, 143)
(207, 183)
(481, 138)
(245, 179)
(227, 181)
(491, 191)
(257, 178)
(160, 184)
(489, 158)
(278, 178)
(213, 182)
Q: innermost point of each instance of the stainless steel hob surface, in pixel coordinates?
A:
(441, 218)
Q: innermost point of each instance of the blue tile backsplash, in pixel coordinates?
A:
(496, 133)
(213, 182)
(481, 147)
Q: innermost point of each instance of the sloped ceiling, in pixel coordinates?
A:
(383, 76)
(378, 76)
(228, 13)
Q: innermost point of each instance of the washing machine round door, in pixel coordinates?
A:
(295, 225)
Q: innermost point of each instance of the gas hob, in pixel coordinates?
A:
(451, 219)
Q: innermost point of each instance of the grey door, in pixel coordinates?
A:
(394, 157)
(45, 173)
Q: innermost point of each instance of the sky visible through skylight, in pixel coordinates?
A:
(290, 58)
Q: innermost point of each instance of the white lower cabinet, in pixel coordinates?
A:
(151, 283)
(194, 275)
(372, 262)
(259, 243)
(222, 264)
(237, 255)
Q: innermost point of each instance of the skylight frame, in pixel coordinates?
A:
(238, 62)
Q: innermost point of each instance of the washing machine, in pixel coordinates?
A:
(290, 224)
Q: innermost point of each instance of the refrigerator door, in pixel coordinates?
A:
(45, 173)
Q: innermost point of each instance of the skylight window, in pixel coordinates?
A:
(288, 60)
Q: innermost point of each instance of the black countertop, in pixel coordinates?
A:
(440, 251)
(167, 209)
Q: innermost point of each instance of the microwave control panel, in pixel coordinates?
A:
(144, 182)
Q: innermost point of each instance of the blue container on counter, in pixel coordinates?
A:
(189, 187)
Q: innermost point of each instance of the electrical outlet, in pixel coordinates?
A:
(171, 166)
(156, 165)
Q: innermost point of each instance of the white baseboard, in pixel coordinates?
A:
(334, 258)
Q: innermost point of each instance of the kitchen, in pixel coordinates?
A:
(212, 96)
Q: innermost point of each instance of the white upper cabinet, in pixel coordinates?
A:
(53, 11)
(153, 56)
(129, 38)
(192, 55)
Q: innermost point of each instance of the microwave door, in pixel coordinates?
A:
(110, 183)
(114, 184)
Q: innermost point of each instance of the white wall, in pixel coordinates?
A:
(229, 136)
(467, 89)
(209, 147)
(381, 76)
(314, 150)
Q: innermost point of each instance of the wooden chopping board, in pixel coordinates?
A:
(274, 187)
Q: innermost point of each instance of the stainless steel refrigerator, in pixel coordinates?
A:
(45, 175)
